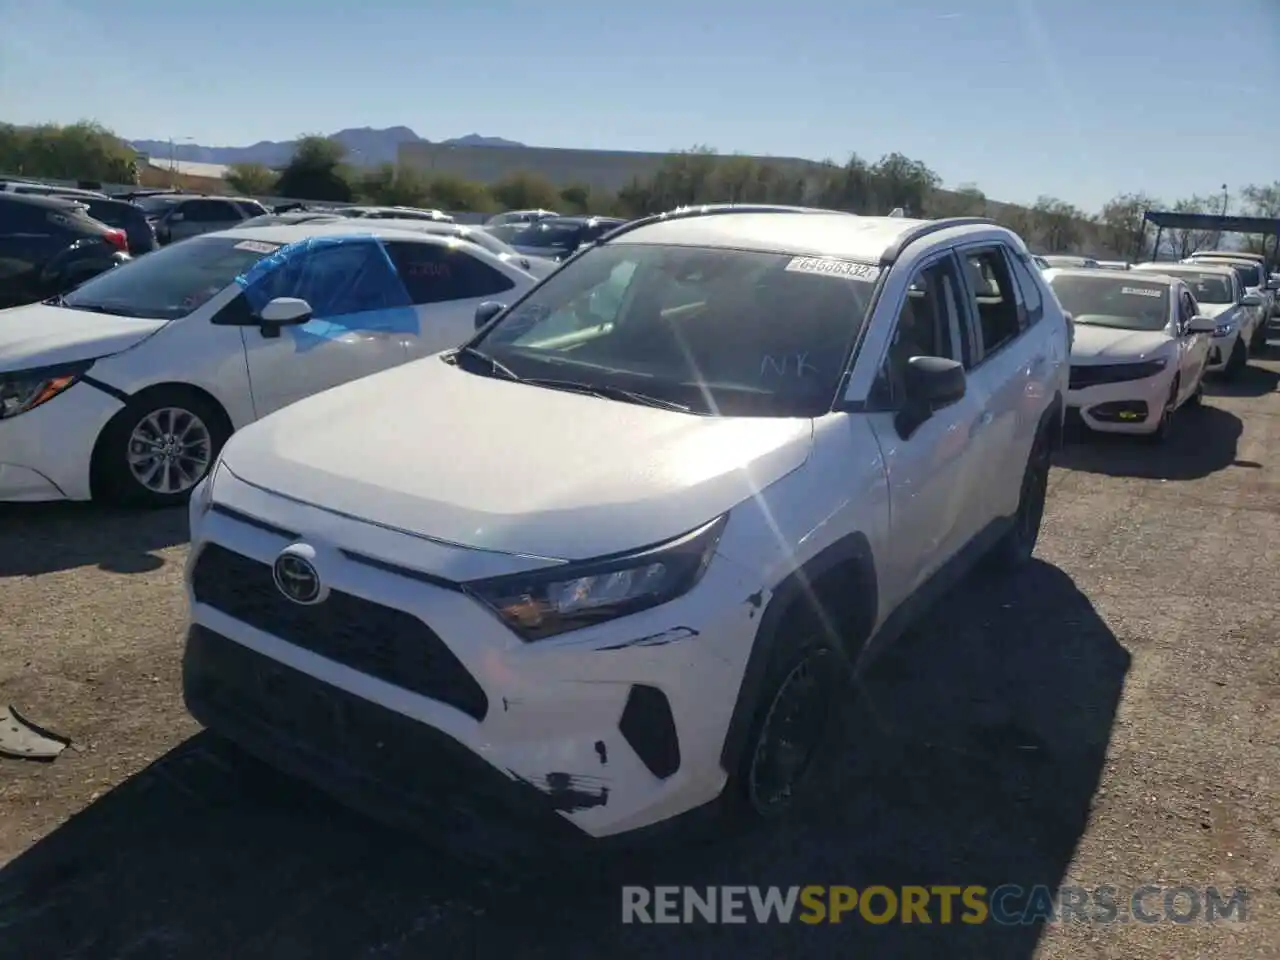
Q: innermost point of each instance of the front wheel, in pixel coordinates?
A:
(155, 450)
(1237, 361)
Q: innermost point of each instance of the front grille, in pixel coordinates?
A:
(1091, 376)
(383, 642)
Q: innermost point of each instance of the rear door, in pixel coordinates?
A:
(1009, 370)
(445, 283)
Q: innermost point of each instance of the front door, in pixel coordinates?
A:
(359, 315)
(1193, 348)
(928, 471)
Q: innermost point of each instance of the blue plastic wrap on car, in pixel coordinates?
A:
(349, 281)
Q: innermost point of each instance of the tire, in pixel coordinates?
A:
(1164, 429)
(1237, 361)
(798, 700)
(1016, 547)
(190, 423)
(1258, 344)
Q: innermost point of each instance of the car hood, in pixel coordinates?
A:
(485, 463)
(1107, 344)
(37, 335)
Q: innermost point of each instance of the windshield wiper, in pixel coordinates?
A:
(607, 392)
(497, 367)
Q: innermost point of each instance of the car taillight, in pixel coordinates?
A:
(118, 239)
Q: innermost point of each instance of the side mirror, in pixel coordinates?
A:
(283, 312)
(487, 311)
(1251, 300)
(1200, 324)
(931, 383)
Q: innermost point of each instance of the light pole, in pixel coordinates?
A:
(173, 156)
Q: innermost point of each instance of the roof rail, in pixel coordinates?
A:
(711, 210)
(923, 230)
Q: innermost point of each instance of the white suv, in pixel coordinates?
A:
(609, 559)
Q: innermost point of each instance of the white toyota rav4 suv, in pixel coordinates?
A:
(609, 559)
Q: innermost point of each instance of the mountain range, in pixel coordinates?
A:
(365, 147)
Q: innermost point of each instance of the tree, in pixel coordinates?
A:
(1262, 200)
(252, 179)
(965, 200)
(1122, 227)
(1057, 224)
(903, 182)
(315, 172)
(576, 198)
(850, 187)
(80, 151)
(389, 186)
(454, 193)
(525, 191)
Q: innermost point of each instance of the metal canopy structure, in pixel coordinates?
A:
(1211, 223)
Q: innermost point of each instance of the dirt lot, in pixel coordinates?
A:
(1110, 717)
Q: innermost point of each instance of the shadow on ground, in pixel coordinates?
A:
(973, 760)
(48, 537)
(1204, 441)
(1254, 381)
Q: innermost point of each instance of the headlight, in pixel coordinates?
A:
(27, 389)
(1225, 329)
(545, 603)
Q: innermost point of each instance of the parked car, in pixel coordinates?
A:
(609, 560)
(1140, 350)
(556, 238)
(1066, 262)
(1252, 268)
(48, 246)
(153, 365)
(177, 216)
(393, 213)
(1220, 293)
(33, 189)
(1114, 265)
(140, 235)
(292, 217)
(537, 266)
(519, 216)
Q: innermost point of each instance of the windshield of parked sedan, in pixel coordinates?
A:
(728, 332)
(1206, 287)
(1122, 302)
(155, 206)
(171, 282)
(1250, 273)
(547, 233)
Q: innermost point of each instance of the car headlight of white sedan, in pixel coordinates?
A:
(25, 390)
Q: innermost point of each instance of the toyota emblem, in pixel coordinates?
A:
(296, 577)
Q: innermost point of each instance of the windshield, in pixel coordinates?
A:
(1125, 303)
(170, 282)
(1250, 273)
(558, 236)
(727, 332)
(155, 206)
(1205, 287)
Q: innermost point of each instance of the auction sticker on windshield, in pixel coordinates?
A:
(1141, 292)
(831, 267)
(257, 246)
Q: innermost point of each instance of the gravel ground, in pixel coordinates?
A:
(1109, 717)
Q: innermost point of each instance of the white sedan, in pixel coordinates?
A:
(127, 387)
(1220, 294)
(1140, 349)
(1252, 268)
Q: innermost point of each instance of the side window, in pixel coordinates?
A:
(1032, 299)
(1189, 309)
(926, 327)
(222, 211)
(435, 273)
(337, 280)
(992, 297)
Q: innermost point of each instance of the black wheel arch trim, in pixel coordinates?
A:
(853, 550)
(106, 388)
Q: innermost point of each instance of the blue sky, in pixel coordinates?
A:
(1079, 99)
